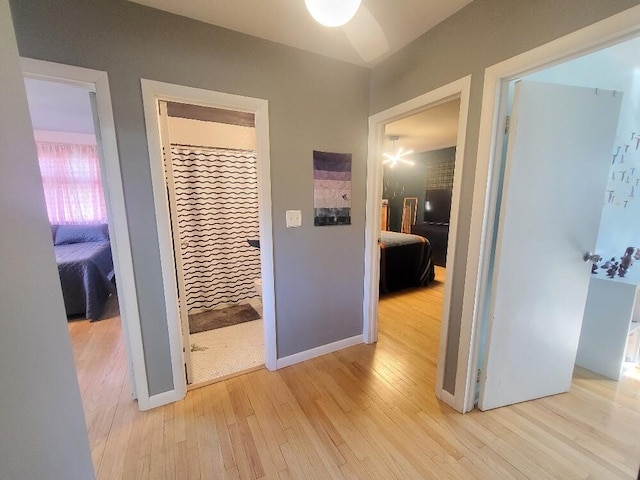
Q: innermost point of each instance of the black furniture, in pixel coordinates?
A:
(438, 235)
(405, 261)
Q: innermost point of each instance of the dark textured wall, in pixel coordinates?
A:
(412, 181)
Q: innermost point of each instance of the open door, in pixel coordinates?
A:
(100, 150)
(163, 119)
(560, 145)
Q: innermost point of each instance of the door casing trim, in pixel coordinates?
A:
(152, 91)
(98, 82)
(457, 89)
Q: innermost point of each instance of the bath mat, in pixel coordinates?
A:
(222, 317)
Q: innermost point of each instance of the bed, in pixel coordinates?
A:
(405, 261)
(85, 266)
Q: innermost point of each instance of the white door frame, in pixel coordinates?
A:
(152, 91)
(97, 81)
(458, 89)
(167, 162)
(602, 34)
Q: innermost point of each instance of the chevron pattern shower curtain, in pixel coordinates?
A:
(217, 202)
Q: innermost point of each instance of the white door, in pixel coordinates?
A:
(177, 244)
(560, 147)
(105, 188)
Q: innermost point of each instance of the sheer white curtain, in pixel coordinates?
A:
(71, 181)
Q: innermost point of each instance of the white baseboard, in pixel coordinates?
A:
(321, 350)
(174, 395)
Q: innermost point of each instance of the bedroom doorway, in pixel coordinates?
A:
(612, 350)
(599, 289)
(96, 84)
(424, 208)
(63, 126)
(419, 166)
(210, 166)
(86, 233)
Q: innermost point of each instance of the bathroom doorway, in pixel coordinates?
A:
(153, 93)
(210, 172)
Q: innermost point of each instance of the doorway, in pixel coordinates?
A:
(456, 91)
(155, 94)
(612, 350)
(96, 81)
(63, 125)
(419, 154)
(598, 78)
(211, 177)
(84, 201)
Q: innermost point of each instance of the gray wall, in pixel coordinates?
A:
(314, 103)
(42, 428)
(481, 34)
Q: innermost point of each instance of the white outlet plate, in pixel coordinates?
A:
(294, 218)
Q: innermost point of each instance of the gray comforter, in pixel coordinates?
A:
(86, 271)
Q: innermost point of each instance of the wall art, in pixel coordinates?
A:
(331, 188)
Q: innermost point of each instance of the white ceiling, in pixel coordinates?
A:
(426, 131)
(65, 108)
(59, 108)
(379, 28)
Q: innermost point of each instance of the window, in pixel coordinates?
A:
(71, 181)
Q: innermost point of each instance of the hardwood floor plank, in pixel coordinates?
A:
(239, 454)
(209, 443)
(264, 422)
(264, 451)
(285, 475)
(366, 412)
(353, 467)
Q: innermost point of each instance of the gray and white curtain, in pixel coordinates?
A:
(217, 201)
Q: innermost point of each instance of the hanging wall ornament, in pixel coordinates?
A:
(331, 188)
(625, 163)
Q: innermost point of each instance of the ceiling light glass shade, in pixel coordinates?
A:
(332, 13)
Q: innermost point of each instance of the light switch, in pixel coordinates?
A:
(294, 218)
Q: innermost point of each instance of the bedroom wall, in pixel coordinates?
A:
(400, 182)
(483, 33)
(314, 103)
(42, 422)
(412, 181)
(64, 137)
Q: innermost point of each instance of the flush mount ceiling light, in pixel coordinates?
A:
(332, 13)
(394, 159)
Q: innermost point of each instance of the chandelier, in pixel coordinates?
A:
(393, 159)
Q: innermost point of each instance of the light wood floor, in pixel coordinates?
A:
(365, 412)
